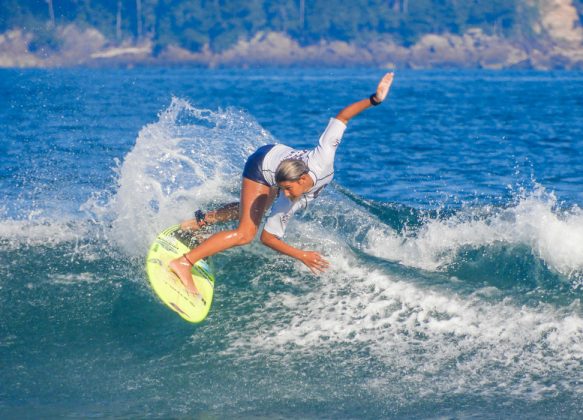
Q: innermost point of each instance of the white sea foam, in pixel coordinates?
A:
(40, 231)
(553, 235)
(85, 277)
(430, 341)
(188, 159)
(464, 344)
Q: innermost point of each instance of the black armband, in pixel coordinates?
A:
(373, 100)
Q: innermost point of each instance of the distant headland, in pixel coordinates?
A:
(520, 34)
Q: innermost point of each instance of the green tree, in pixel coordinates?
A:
(220, 23)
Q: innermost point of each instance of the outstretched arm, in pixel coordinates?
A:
(356, 108)
(312, 259)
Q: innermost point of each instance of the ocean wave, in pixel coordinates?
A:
(552, 234)
(191, 158)
(420, 338)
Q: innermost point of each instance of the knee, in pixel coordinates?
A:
(245, 236)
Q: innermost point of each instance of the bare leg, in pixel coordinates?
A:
(255, 198)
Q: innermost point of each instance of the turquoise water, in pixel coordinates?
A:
(454, 230)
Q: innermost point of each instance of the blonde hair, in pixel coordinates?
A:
(290, 170)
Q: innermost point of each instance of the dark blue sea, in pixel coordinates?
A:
(454, 230)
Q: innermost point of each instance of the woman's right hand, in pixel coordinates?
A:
(315, 262)
(384, 86)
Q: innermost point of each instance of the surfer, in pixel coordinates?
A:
(290, 177)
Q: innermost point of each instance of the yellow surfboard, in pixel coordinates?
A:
(171, 244)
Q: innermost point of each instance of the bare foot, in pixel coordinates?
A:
(181, 267)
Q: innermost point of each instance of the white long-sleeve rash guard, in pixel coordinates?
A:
(320, 162)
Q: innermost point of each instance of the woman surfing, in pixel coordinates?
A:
(277, 172)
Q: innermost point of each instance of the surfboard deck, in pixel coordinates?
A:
(168, 245)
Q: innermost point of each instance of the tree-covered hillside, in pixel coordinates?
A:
(191, 24)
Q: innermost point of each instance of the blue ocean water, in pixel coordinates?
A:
(454, 230)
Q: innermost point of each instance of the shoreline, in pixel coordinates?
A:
(472, 50)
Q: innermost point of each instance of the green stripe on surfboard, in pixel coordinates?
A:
(167, 246)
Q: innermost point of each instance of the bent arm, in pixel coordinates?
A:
(353, 110)
(356, 108)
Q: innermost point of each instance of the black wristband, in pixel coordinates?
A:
(200, 216)
(373, 100)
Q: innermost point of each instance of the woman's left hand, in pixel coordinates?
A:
(314, 261)
(384, 86)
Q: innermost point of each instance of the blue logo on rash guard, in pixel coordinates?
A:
(297, 154)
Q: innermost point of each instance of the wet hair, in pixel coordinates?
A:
(290, 170)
